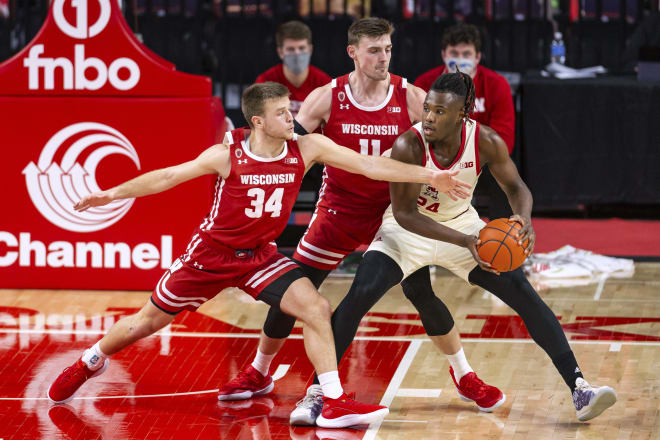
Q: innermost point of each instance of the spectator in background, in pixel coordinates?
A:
(355, 8)
(461, 50)
(294, 47)
(647, 34)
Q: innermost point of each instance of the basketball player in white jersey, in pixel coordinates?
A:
(424, 227)
(365, 110)
(258, 181)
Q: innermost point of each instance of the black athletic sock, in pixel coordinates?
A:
(567, 366)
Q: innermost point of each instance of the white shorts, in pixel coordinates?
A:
(411, 251)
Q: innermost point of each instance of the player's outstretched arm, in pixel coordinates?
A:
(319, 148)
(494, 152)
(404, 203)
(214, 160)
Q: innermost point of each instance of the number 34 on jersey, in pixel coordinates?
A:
(273, 205)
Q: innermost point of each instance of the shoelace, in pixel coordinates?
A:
(242, 376)
(476, 385)
(70, 374)
(310, 400)
(583, 386)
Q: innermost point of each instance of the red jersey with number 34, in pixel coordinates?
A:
(366, 130)
(252, 205)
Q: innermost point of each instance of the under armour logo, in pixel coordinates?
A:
(198, 266)
(344, 106)
(332, 211)
(242, 161)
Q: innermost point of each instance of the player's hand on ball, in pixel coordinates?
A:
(444, 181)
(472, 243)
(94, 199)
(526, 233)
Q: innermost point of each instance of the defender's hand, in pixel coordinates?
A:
(94, 199)
(526, 233)
(472, 243)
(444, 181)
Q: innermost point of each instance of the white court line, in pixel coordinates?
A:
(419, 392)
(394, 385)
(414, 345)
(613, 300)
(357, 338)
(189, 393)
(399, 421)
(280, 371)
(599, 289)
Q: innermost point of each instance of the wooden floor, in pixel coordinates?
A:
(164, 386)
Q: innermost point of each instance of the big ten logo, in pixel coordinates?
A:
(81, 20)
(463, 165)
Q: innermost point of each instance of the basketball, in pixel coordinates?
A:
(500, 247)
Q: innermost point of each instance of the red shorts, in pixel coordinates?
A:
(202, 272)
(331, 235)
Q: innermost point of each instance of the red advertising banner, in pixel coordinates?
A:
(84, 107)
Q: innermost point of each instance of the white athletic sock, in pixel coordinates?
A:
(261, 362)
(459, 364)
(331, 385)
(93, 357)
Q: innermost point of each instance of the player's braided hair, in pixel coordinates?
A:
(460, 84)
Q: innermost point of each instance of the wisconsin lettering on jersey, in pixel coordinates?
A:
(267, 179)
(384, 130)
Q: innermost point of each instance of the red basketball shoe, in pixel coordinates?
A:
(473, 389)
(68, 382)
(247, 383)
(344, 411)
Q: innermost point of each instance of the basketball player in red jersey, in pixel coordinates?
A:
(258, 182)
(365, 110)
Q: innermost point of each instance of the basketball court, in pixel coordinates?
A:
(165, 386)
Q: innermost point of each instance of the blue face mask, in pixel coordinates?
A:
(465, 65)
(297, 62)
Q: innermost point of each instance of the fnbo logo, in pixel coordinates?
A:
(76, 19)
(80, 28)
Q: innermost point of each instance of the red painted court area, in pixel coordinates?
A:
(165, 386)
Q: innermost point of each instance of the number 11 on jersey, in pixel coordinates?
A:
(375, 147)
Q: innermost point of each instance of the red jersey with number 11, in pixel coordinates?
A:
(252, 205)
(366, 130)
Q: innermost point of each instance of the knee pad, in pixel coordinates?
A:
(278, 324)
